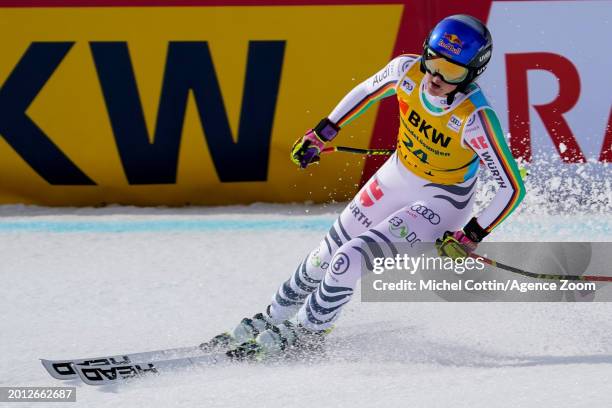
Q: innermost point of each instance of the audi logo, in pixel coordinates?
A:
(426, 213)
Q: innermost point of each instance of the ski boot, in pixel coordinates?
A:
(248, 329)
(283, 340)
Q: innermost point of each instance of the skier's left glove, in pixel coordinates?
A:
(307, 149)
(455, 245)
(460, 244)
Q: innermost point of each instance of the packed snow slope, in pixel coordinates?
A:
(86, 282)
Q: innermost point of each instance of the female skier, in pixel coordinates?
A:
(447, 128)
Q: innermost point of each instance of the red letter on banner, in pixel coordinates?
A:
(606, 147)
(551, 114)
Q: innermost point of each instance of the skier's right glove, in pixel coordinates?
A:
(307, 149)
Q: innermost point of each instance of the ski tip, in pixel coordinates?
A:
(59, 369)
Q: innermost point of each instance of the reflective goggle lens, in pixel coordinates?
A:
(451, 73)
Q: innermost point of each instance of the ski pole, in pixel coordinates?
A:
(590, 278)
(388, 152)
(367, 152)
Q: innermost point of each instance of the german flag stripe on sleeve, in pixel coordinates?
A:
(387, 89)
(494, 135)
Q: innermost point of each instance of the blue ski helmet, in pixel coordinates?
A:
(463, 40)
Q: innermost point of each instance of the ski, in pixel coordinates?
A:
(249, 352)
(122, 372)
(65, 369)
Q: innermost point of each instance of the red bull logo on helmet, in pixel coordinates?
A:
(451, 42)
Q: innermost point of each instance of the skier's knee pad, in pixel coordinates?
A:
(345, 266)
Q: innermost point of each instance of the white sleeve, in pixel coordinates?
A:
(378, 86)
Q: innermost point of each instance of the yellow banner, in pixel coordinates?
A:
(198, 105)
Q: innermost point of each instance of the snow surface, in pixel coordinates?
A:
(84, 282)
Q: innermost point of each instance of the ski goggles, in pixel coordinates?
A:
(450, 73)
